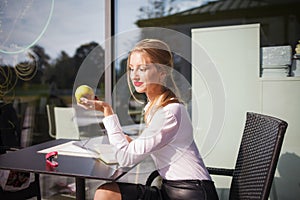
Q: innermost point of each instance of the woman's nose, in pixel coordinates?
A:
(134, 74)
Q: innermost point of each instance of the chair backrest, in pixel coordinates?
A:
(66, 126)
(258, 156)
(51, 120)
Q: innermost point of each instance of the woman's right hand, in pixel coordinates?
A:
(96, 105)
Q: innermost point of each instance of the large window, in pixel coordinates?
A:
(43, 44)
(46, 47)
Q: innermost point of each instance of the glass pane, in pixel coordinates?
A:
(127, 34)
(43, 44)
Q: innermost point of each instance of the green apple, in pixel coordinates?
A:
(84, 91)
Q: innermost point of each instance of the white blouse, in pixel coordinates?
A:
(168, 139)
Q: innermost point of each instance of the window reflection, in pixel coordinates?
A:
(42, 47)
(44, 43)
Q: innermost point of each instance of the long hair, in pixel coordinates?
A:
(162, 58)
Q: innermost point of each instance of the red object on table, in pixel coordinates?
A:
(50, 158)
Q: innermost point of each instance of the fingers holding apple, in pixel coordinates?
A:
(96, 105)
(84, 95)
(86, 98)
(84, 91)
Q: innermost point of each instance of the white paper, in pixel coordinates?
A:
(70, 149)
(105, 152)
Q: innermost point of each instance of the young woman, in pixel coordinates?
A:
(168, 136)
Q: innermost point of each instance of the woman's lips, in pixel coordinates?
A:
(137, 84)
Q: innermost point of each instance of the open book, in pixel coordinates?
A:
(101, 147)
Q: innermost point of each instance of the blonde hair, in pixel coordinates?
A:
(160, 55)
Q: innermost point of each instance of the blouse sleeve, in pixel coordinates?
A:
(159, 133)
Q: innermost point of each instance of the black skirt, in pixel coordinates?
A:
(170, 190)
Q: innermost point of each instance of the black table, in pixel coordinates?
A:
(29, 160)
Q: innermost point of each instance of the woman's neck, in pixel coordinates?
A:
(153, 95)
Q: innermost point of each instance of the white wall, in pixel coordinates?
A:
(281, 98)
(232, 54)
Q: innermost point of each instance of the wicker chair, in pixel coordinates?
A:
(257, 158)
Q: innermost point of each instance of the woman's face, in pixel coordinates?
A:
(143, 74)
